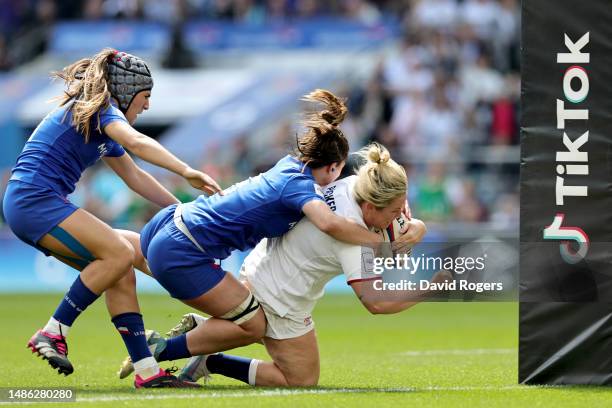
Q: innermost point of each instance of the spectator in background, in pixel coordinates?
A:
(277, 10)
(432, 202)
(436, 14)
(249, 12)
(466, 204)
(171, 12)
(504, 122)
(178, 55)
(480, 82)
(112, 195)
(505, 40)
(93, 9)
(456, 68)
(307, 9)
(32, 31)
(407, 80)
(506, 211)
(481, 15)
(122, 9)
(441, 129)
(5, 60)
(360, 10)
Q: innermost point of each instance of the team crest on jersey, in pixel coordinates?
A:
(102, 150)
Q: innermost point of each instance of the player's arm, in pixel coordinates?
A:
(151, 151)
(380, 301)
(341, 228)
(373, 302)
(365, 282)
(140, 181)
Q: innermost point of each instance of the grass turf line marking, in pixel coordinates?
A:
(459, 352)
(290, 392)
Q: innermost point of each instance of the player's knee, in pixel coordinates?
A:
(122, 257)
(129, 279)
(308, 381)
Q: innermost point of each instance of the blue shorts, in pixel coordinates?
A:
(33, 211)
(176, 263)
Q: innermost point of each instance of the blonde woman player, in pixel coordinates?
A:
(104, 95)
(288, 274)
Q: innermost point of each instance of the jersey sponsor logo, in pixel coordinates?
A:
(102, 150)
(328, 196)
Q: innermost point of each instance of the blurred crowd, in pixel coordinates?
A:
(444, 100)
(25, 24)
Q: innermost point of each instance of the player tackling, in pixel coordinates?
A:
(287, 275)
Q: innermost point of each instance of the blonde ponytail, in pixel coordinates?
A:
(380, 180)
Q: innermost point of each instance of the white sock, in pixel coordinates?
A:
(253, 371)
(147, 367)
(53, 327)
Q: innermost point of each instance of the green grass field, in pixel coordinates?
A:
(436, 354)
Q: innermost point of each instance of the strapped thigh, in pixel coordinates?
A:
(244, 311)
(63, 236)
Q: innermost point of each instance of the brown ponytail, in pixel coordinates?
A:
(87, 87)
(323, 143)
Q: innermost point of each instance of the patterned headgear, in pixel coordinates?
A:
(128, 75)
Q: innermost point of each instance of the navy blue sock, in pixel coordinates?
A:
(176, 348)
(131, 328)
(229, 366)
(76, 300)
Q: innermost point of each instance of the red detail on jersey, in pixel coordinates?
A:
(364, 279)
(391, 233)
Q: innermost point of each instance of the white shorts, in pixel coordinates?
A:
(286, 327)
(278, 327)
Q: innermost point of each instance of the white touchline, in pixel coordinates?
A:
(459, 352)
(289, 392)
(280, 393)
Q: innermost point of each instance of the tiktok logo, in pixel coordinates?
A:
(557, 232)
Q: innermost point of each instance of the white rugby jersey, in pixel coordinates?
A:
(289, 273)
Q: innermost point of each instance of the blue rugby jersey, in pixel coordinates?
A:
(267, 205)
(56, 154)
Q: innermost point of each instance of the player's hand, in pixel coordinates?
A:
(413, 233)
(202, 181)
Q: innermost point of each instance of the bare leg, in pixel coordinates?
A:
(133, 238)
(113, 254)
(121, 296)
(109, 259)
(295, 362)
(218, 334)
